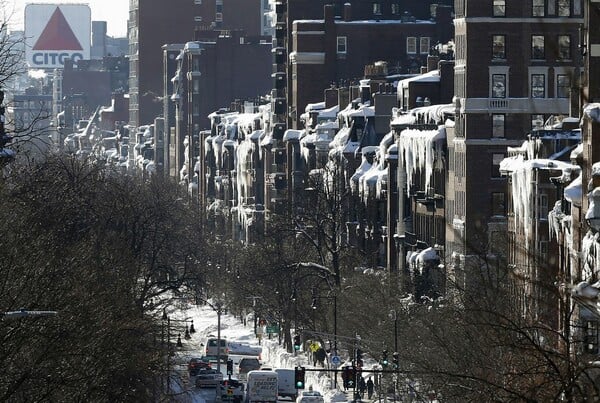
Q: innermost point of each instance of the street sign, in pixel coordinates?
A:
(336, 360)
(273, 329)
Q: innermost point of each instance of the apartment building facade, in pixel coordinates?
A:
(526, 54)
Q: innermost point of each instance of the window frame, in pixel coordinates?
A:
(496, 54)
(563, 8)
(499, 8)
(376, 8)
(538, 8)
(341, 42)
(535, 86)
(495, 77)
(498, 132)
(536, 50)
(496, 160)
(564, 47)
(567, 87)
(424, 43)
(494, 202)
(410, 39)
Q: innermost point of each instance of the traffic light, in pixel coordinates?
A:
(229, 367)
(384, 358)
(299, 373)
(359, 357)
(297, 343)
(349, 376)
(396, 360)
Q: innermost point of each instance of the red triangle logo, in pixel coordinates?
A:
(57, 35)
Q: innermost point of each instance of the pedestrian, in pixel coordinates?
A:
(344, 380)
(370, 387)
(362, 387)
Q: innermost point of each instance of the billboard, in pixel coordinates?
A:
(55, 32)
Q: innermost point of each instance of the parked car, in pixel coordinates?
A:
(232, 390)
(246, 365)
(196, 364)
(310, 396)
(208, 378)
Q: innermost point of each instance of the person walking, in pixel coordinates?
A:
(370, 387)
(362, 387)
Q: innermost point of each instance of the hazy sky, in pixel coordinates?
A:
(114, 12)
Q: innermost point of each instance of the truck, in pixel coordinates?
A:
(285, 383)
(261, 386)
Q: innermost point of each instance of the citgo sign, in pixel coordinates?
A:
(55, 32)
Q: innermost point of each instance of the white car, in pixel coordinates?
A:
(310, 396)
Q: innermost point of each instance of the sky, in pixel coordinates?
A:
(114, 12)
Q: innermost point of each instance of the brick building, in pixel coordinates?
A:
(153, 23)
(525, 54)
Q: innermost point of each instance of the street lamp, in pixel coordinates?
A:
(394, 317)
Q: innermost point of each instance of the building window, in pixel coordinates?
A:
(498, 85)
(564, 47)
(395, 8)
(411, 45)
(537, 47)
(577, 7)
(538, 86)
(542, 213)
(498, 47)
(498, 125)
(496, 160)
(424, 45)
(498, 203)
(563, 86)
(499, 8)
(591, 336)
(537, 121)
(219, 17)
(537, 9)
(564, 8)
(197, 1)
(376, 8)
(342, 45)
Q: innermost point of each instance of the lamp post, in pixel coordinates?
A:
(394, 317)
(314, 306)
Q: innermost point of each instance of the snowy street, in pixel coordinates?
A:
(204, 318)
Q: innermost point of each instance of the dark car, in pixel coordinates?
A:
(196, 364)
(248, 364)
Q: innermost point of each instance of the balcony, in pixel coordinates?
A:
(515, 105)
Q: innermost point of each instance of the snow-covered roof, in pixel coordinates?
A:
(430, 76)
(292, 134)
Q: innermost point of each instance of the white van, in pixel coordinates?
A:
(261, 386)
(285, 383)
(211, 349)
